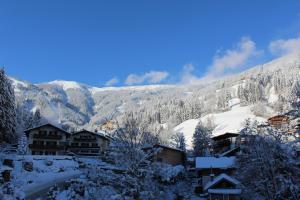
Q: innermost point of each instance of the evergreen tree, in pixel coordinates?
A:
(295, 95)
(201, 140)
(7, 110)
(178, 141)
(22, 144)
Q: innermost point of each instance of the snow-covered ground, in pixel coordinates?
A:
(43, 174)
(229, 121)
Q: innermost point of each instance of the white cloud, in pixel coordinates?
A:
(223, 62)
(152, 77)
(283, 47)
(112, 81)
(187, 76)
(235, 58)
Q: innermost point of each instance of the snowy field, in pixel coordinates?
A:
(230, 121)
(43, 174)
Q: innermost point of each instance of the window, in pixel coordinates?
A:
(75, 144)
(94, 151)
(51, 143)
(94, 145)
(85, 144)
(51, 153)
(38, 142)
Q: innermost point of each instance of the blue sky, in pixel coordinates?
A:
(142, 42)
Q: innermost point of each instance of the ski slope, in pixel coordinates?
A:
(229, 121)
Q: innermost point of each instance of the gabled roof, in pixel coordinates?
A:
(164, 147)
(225, 135)
(219, 178)
(214, 162)
(94, 133)
(47, 124)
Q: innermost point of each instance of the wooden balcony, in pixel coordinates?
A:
(85, 139)
(51, 137)
(40, 146)
(84, 147)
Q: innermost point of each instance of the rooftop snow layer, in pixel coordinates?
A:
(219, 178)
(214, 162)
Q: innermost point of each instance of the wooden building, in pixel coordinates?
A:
(88, 143)
(167, 155)
(223, 187)
(279, 121)
(209, 167)
(47, 139)
(224, 142)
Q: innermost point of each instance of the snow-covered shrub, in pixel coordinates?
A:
(168, 173)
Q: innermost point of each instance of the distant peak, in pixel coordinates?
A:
(66, 84)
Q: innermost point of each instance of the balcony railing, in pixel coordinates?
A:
(84, 147)
(53, 137)
(45, 146)
(84, 139)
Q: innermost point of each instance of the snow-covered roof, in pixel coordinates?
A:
(161, 146)
(101, 134)
(225, 135)
(225, 191)
(214, 162)
(168, 147)
(219, 178)
(47, 124)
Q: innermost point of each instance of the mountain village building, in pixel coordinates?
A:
(225, 142)
(223, 187)
(207, 168)
(279, 121)
(88, 143)
(167, 155)
(48, 139)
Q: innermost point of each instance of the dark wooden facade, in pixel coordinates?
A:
(224, 142)
(279, 121)
(88, 143)
(50, 140)
(167, 155)
(47, 139)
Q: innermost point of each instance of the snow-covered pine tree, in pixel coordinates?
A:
(265, 167)
(22, 144)
(295, 95)
(7, 110)
(36, 119)
(201, 140)
(178, 141)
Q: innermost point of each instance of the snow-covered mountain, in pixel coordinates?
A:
(228, 101)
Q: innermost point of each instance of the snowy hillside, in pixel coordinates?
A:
(230, 121)
(229, 100)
